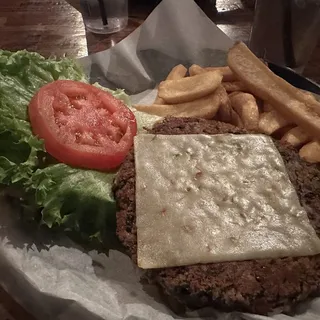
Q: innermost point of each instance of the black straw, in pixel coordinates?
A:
(287, 35)
(103, 13)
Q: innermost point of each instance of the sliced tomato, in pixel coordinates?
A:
(81, 125)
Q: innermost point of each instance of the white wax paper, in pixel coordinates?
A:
(54, 278)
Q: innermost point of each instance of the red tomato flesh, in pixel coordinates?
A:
(81, 125)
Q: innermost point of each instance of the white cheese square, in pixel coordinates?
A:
(203, 199)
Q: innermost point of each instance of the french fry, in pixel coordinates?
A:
(234, 93)
(158, 100)
(225, 112)
(267, 107)
(260, 104)
(162, 110)
(227, 74)
(205, 107)
(311, 152)
(295, 137)
(177, 72)
(234, 86)
(228, 115)
(264, 84)
(307, 95)
(195, 69)
(272, 121)
(282, 131)
(190, 88)
(236, 120)
(246, 107)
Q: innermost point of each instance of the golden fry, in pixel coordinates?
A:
(272, 121)
(162, 110)
(158, 101)
(234, 93)
(234, 86)
(284, 98)
(307, 95)
(235, 119)
(296, 137)
(225, 112)
(177, 72)
(267, 107)
(282, 131)
(196, 69)
(190, 88)
(205, 107)
(260, 104)
(227, 74)
(246, 107)
(311, 152)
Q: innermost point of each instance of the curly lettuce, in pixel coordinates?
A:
(55, 194)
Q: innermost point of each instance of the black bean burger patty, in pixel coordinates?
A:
(257, 286)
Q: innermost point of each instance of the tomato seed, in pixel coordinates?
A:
(81, 97)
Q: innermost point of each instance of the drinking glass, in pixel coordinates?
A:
(104, 16)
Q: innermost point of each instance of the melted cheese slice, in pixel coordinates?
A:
(203, 199)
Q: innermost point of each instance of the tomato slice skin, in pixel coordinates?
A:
(81, 125)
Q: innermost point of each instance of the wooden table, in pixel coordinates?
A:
(56, 27)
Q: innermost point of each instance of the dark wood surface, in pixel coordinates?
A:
(55, 27)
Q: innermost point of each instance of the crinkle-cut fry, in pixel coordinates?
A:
(263, 83)
(189, 88)
(225, 112)
(296, 137)
(234, 86)
(205, 107)
(246, 107)
(272, 121)
(310, 152)
(196, 69)
(177, 72)
(227, 74)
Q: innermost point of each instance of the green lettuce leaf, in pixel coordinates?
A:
(21, 74)
(18, 150)
(55, 194)
(74, 199)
